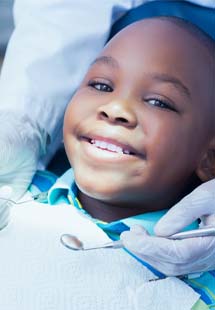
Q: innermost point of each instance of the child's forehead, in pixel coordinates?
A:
(166, 30)
(165, 44)
(156, 41)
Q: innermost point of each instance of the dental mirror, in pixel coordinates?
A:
(73, 243)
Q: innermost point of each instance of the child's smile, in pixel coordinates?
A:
(105, 148)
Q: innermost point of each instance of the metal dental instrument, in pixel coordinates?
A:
(41, 197)
(73, 243)
(201, 232)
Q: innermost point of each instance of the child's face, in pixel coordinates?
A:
(138, 125)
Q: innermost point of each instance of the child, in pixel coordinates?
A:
(140, 128)
(139, 131)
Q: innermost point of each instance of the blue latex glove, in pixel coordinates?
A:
(178, 257)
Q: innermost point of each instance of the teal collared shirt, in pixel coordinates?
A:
(65, 191)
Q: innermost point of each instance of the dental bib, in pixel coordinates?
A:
(37, 272)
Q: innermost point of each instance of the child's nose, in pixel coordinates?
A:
(118, 112)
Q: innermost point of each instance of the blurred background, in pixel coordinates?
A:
(6, 25)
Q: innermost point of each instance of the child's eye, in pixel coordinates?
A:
(160, 104)
(100, 86)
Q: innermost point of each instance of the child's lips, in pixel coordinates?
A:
(111, 145)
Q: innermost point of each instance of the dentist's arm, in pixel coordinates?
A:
(179, 257)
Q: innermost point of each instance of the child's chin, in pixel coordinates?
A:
(99, 193)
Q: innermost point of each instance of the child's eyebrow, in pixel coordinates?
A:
(166, 78)
(161, 77)
(107, 60)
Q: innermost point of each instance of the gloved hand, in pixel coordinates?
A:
(21, 144)
(178, 257)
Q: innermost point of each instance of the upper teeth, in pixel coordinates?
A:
(109, 146)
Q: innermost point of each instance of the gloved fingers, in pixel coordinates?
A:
(179, 269)
(173, 269)
(169, 269)
(197, 204)
(147, 253)
(168, 251)
(133, 238)
(147, 245)
(139, 230)
(209, 186)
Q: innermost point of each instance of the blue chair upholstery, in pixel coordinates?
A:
(202, 17)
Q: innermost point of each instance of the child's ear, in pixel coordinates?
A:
(206, 168)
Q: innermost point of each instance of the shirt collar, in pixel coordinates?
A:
(63, 186)
(66, 186)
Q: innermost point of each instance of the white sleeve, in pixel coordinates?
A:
(53, 44)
